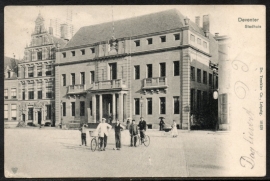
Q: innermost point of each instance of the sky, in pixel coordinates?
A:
(19, 21)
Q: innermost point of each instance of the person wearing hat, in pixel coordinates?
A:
(104, 129)
(83, 134)
(161, 124)
(142, 128)
(118, 128)
(133, 130)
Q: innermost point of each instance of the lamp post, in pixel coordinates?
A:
(141, 101)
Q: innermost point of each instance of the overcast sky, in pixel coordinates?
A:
(20, 20)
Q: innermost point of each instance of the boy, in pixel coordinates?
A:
(83, 135)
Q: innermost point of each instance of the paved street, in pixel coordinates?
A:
(49, 152)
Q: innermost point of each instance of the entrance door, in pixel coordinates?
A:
(39, 117)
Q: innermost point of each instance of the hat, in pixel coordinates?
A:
(133, 119)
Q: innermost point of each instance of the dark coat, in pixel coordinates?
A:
(142, 125)
(133, 129)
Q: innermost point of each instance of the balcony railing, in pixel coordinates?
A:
(155, 82)
(76, 88)
(110, 84)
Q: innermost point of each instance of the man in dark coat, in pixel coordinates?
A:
(133, 130)
(161, 124)
(118, 128)
(142, 128)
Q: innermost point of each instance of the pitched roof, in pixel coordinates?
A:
(11, 64)
(141, 25)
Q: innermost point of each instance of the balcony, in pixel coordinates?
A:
(117, 84)
(76, 89)
(155, 84)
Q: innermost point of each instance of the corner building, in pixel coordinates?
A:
(153, 65)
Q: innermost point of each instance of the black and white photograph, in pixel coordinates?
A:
(134, 91)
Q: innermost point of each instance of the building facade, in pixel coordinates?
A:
(36, 77)
(156, 65)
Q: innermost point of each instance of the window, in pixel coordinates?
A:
(73, 53)
(137, 106)
(82, 78)
(72, 79)
(14, 93)
(63, 79)
(216, 81)
(204, 98)
(92, 77)
(204, 77)
(192, 98)
(199, 72)
(149, 106)
(30, 71)
(192, 73)
(49, 112)
(137, 43)
(92, 50)
(6, 94)
(82, 108)
(162, 67)
(199, 41)
(192, 37)
(176, 68)
(162, 101)
(113, 71)
(64, 109)
(14, 112)
(163, 39)
(149, 70)
(83, 52)
(149, 41)
(137, 71)
(72, 108)
(39, 70)
(39, 55)
(49, 70)
(204, 44)
(23, 94)
(49, 89)
(64, 55)
(40, 94)
(176, 36)
(30, 113)
(176, 104)
(198, 100)
(5, 112)
(210, 79)
(90, 107)
(31, 93)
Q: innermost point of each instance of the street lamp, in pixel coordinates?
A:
(141, 101)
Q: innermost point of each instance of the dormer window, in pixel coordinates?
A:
(73, 53)
(137, 43)
(92, 50)
(64, 55)
(150, 41)
(83, 52)
(163, 39)
(176, 36)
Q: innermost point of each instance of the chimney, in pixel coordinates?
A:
(197, 21)
(64, 31)
(206, 25)
(51, 30)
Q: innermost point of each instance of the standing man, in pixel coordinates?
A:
(142, 128)
(133, 130)
(118, 128)
(161, 124)
(104, 129)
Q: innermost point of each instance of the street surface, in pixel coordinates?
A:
(50, 152)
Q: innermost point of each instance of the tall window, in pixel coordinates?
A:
(14, 93)
(14, 112)
(39, 55)
(90, 106)
(162, 67)
(149, 70)
(72, 79)
(39, 94)
(63, 79)
(192, 37)
(82, 78)
(30, 71)
(176, 104)
(137, 106)
(204, 77)
(149, 106)
(39, 71)
(49, 112)
(82, 108)
(199, 100)
(92, 77)
(31, 93)
(162, 101)
(204, 98)
(49, 89)
(5, 112)
(6, 94)
(23, 94)
(210, 79)
(49, 70)
(64, 109)
(199, 72)
(113, 71)
(192, 73)
(216, 81)
(137, 71)
(176, 68)
(72, 108)
(192, 98)
(30, 113)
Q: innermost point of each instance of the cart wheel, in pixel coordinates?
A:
(146, 140)
(93, 144)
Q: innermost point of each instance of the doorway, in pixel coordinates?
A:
(39, 117)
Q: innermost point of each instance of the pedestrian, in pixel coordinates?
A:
(118, 128)
(83, 134)
(133, 130)
(128, 124)
(174, 129)
(161, 124)
(142, 128)
(104, 129)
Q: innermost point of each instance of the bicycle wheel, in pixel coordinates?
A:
(146, 140)
(93, 144)
(139, 139)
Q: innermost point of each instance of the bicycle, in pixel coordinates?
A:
(95, 142)
(146, 140)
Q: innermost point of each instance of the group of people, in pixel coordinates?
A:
(173, 130)
(104, 128)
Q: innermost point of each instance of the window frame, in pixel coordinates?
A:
(176, 72)
(199, 75)
(136, 72)
(137, 43)
(82, 51)
(64, 80)
(82, 108)
(149, 109)
(163, 38)
(176, 104)
(162, 105)
(149, 41)
(137, 106)
(176, 35)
